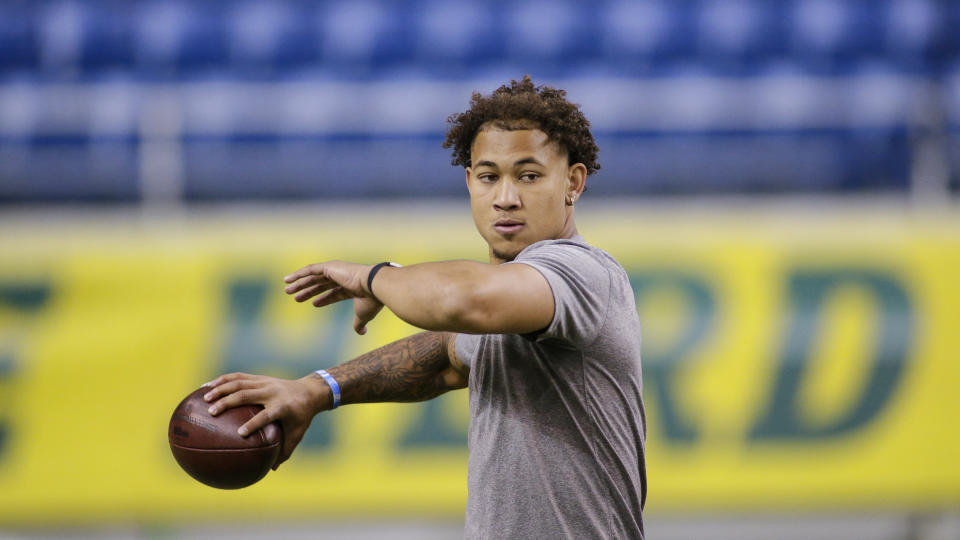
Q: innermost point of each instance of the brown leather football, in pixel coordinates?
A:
(210, 449)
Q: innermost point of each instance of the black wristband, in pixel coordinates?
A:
(373, 271)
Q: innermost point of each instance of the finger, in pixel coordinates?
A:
(316, 268)
(258, 421)
(224, 378)
(228, 387)
(290, 443)
(305, 271)
(305, 282)
(309, 293)
(337, 294)
(240, 397)
(366, 309)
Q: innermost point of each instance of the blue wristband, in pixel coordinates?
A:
(333, 386)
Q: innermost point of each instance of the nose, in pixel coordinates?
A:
(507, 196)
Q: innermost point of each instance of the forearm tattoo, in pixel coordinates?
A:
(410, 369)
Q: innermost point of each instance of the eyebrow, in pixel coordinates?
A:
(523, 161)
(527, 160)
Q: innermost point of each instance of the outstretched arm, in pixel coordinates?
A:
(452, 296)
(415, 368)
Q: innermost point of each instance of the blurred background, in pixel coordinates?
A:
(780, 179)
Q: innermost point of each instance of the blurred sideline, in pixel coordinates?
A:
(789, 527)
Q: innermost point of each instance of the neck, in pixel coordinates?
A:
(569, 228)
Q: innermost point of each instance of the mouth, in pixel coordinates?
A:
(508, 227)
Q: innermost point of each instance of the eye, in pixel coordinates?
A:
(529, 176)
(487, 177)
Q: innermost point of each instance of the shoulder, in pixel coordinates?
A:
(570, 252)
(583, 280)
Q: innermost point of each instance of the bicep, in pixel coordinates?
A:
(510, 299)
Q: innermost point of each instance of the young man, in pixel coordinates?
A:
(546, 336)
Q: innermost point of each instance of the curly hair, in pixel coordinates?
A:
(521, 105)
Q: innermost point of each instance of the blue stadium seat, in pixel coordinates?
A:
(107, 40)
(202, 36)
(298, 43)
(363, 35)
(158, 28)
(647, 31)
(741, 32)
(60, 27)
(18, 37)
(272, 35)
(919, 32)
(395, 43)
(457, 35)
(178, 36)
(834, 32)
(351, 32)
(550, 31)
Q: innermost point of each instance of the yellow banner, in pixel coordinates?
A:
(791, 362)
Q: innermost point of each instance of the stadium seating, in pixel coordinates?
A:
(299, 99)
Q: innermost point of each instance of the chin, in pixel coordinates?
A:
(507, 250)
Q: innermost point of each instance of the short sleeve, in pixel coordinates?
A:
(581, 289)
(467, 346)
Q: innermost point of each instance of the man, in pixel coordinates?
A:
(546, 336)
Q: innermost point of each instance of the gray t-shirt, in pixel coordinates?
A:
(557, 423)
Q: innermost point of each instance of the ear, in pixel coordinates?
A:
(576, 181)
(467, 171)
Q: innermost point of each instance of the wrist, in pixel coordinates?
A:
(333, 385)
(372, 272)
(320, 394)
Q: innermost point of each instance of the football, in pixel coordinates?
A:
(210, 450)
